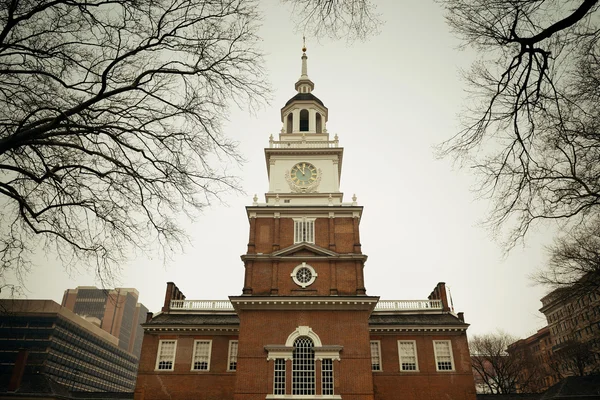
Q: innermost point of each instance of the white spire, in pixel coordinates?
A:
(304, 84)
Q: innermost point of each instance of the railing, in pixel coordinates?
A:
(382, 305)
(207, 305)
(405, 305)
(291, 144)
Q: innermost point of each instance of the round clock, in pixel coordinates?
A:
(303, 174)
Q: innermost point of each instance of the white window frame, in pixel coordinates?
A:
(208, 356)
(304, 228)
(281, 370)
(313, 276)
(230, 355)
(449, 342)
(323, 375)
(378, 343)
(414, 346)
(159, 355)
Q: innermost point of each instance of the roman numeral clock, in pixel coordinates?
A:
(303, 177)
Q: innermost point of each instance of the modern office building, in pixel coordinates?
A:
(41, 337)
(303, 326)
(116, 311)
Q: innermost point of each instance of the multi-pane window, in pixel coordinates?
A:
(232, 359)
(303, 367)
(201, 357)
(166, 355)
(375, 356)
(279, 381)
(327, 376)
(443, 355)
(304, 230)
(407, 351)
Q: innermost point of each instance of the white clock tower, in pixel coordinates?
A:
(304, 165)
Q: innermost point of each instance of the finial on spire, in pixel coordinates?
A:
(304, 44)
(304, 84)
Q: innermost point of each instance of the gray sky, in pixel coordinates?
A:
(391, 100)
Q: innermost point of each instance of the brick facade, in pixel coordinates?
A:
(304, 323)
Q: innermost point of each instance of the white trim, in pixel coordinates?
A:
(303, 396)
(303, 331)
(229, 355)
(378, 343)
(449, 342)
(313, 275)
(304, 228)
(208, 355)
(414, 347)
(158, 355)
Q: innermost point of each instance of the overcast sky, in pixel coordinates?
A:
(391, 99)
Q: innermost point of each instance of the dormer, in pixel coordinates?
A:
(304, 113)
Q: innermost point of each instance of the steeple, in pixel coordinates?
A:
(304, 113)
(304, 84)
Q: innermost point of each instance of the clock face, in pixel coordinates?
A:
(303, 174)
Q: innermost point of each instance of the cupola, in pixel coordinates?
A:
(304, 113)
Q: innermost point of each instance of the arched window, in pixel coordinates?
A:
(303, 367)
(319, 126)
(290, 123)
(304, 121)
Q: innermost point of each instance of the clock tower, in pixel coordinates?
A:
(304, 268)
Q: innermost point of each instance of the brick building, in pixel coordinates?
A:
(537, 374)
(304, 326)
(116, 311)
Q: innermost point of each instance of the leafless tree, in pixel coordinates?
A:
(347, 19)
(575, 358)
(110, 122)
(574, 267)
(498, 371)
(532, 128)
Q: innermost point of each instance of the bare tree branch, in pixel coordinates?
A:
(110, 122)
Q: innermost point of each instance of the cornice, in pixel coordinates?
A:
(417, 328)
(341, 257)
(191, 329)
(319, 211)
(349, 303)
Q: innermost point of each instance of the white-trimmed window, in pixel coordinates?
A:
(443, 355)
(303, 367)
(232, 357)
(165, 359)
(304, 230)
(375, 355)
(279, 381)
(327, 376)
(304, 275)
(407, 352)
(201, 356)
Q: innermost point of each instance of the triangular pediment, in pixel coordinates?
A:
(304, 250)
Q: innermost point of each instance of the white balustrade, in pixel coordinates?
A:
(291, 144)
(382, 305)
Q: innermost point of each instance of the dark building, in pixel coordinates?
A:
(117, 311)
(41, 337)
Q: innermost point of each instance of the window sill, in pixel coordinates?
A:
(303, 396)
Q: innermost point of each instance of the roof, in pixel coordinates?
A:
(305, 97)
(193, 319)
(575, 387)
(415, 319)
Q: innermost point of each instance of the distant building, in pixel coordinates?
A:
(303, 326)
(41, 337)
(538, 375)
(116, 311)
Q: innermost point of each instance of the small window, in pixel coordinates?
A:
(327, 376)
(303, 120)
(304, 230)
(375, 355)
(407, 351)
(232, 359)
(166, 355)
(201, 357)
(279, 381)
(443, 355)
